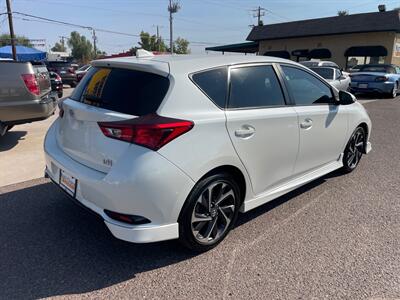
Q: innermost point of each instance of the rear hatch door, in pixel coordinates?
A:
(106, 94)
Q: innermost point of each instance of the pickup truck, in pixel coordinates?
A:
(25, 94)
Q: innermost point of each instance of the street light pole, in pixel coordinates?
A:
(12, 35)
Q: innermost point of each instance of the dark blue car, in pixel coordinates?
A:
(382, 79)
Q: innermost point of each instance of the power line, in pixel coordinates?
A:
(53, 21)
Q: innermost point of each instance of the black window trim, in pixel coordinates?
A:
(251, 64)
(210, 69)
(292, 101)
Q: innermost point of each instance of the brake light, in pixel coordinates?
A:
(381, 78)
(58, 77)
(150, 131)
(31, 83)
(71, 70)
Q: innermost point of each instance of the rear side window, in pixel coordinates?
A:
(256, 86)
(121, 90)
(214, 83)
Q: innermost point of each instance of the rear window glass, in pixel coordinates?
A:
(326, 73)
(214, 83)
(121, 90)
(59, 64)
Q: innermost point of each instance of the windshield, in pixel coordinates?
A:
(326, 73)
(84, 68)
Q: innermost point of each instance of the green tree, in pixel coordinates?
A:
(81, 48)
(59, 47)
(5, 39)
(342, 13)
(181, 46)
(150, 43)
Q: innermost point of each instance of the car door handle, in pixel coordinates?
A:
(245, 132)
(306, 124)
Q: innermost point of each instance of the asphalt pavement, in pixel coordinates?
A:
(335, 238)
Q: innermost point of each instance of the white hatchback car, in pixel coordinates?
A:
(173, 147)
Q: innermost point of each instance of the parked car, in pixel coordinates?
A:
(334, 76)
(82, 72)
(383, 79)
(56, 84)
(183, 156)
(25, 94)
(65, 70)
(319, 63)
(355, 69)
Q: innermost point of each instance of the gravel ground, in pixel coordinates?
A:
(336, 238)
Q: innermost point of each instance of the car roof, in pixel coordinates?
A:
(165, 64)
(317, 63)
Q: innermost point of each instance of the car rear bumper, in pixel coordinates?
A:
(373, 87)
(127, 189)
(27, 111)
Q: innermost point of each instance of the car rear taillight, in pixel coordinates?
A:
(58, 77)
(71, 70)
(150, 131)
(31, 83)
(381, 79)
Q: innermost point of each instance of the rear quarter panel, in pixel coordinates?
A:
(207, 145)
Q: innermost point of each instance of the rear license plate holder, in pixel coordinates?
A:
(68, 183)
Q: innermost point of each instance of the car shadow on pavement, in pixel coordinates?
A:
(49, 246)
(11, 139)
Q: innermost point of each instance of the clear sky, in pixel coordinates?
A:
(203, 22)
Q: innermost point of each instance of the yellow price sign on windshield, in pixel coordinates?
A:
(97, 82)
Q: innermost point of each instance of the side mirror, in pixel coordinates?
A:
(346, 98)
(342, 77)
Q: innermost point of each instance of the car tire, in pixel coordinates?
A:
(3, 129)
(394, 92)
(354, 150)
(204, 224)
(60, 94)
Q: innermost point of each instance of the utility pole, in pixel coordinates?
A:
(158, 37)
(94, 42)
(12, 35)
(173, 8)
(258, 13)
(63, 40)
